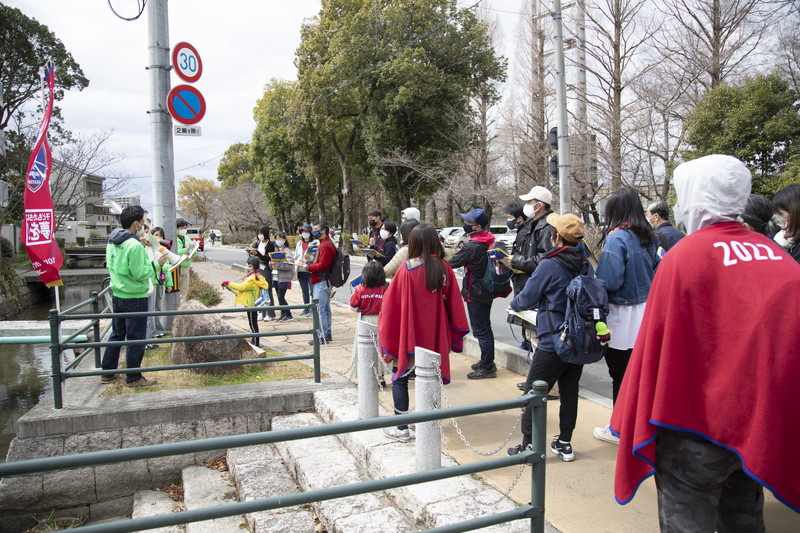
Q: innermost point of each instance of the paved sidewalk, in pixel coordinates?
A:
(579, 495)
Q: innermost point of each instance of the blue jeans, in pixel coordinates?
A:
(400, 395)
(131, 328)
(481, 323)
(322, 291)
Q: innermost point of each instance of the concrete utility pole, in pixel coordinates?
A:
(160, 121)
(564, 184)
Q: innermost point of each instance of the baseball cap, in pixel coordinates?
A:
(539, 193)
(568, 226)
(476, 216)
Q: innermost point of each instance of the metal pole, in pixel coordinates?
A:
(96, 329)
(538, 443)
(429, 398)
(55, 358)
(367, 359)
(160, 122)
(315, 317)
(564, 185)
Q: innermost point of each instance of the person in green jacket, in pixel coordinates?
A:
(183, 244)
(130, 270)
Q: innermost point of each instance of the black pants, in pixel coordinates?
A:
(282, 301)
(703, 487)
(252, 318)
(549, 367)
(617, 362)
(481, 322)
(267, 273)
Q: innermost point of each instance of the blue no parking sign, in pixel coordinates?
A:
(186, 104)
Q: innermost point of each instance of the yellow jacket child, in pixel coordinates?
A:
(248, 288)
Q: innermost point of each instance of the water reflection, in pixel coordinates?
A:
(25, 368)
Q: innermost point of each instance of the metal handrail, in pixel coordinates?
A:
(59, 375)
(535, 455)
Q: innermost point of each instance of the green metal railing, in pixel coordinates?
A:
(57, 345)
(534, 455)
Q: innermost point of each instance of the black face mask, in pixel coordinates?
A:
(511, 223)
(372, 222)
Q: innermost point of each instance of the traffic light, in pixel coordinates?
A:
(553, 138)
(553, 166)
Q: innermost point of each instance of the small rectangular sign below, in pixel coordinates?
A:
(189, 131)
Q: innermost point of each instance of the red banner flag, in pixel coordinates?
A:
(39, 221)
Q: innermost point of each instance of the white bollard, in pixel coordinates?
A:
(367, 362)
(428, 392)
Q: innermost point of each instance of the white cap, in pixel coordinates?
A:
(411, 213)
(539, 193)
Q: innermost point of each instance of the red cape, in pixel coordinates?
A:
(411, 315)
(718, 355)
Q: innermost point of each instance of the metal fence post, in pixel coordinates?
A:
(428, 398)
(367, 359)
(538, 443)
(315, 317)
(96, 329)
(55, 358)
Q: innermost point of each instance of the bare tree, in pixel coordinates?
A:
(527, 118)
(80, 176)
(242, 209)
(618, 34)
(711, 39)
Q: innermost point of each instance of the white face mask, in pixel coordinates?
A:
(141, 233)
(279, 243)
(306, 235)
(261, 238)
(182, 232)
(529, 210)
(384, 234)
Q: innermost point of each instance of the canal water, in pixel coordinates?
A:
(25, 368)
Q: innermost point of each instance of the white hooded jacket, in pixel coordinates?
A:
(711, 189)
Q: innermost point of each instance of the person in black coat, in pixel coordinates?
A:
(479, 300)
(261, 248)
(532, 243)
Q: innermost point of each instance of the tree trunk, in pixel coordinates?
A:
(345, 197)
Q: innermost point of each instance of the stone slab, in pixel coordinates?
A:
(472, 506)
(390, 519)
(296, 522)
(204, 487)
(250, 454)
(154, 503)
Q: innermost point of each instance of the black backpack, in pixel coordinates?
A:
(496, 276)
(340, 271)
(576, 339)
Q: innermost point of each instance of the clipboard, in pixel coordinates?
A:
(499, 252)
(529, 315)
(369, 252)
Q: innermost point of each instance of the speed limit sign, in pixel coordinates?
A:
(186, 62)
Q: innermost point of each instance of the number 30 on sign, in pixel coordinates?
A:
(186, 62)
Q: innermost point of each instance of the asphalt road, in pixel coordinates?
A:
(595, 376)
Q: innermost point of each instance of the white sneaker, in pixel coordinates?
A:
(395, 433)
(267, 319)
(604, 434)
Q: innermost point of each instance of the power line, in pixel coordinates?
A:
(140, 3)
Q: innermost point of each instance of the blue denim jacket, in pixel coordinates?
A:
(626, 267)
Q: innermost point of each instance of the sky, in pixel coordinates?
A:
(243, 44)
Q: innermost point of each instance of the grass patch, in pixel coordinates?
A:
(186, 379)
(202, 291)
